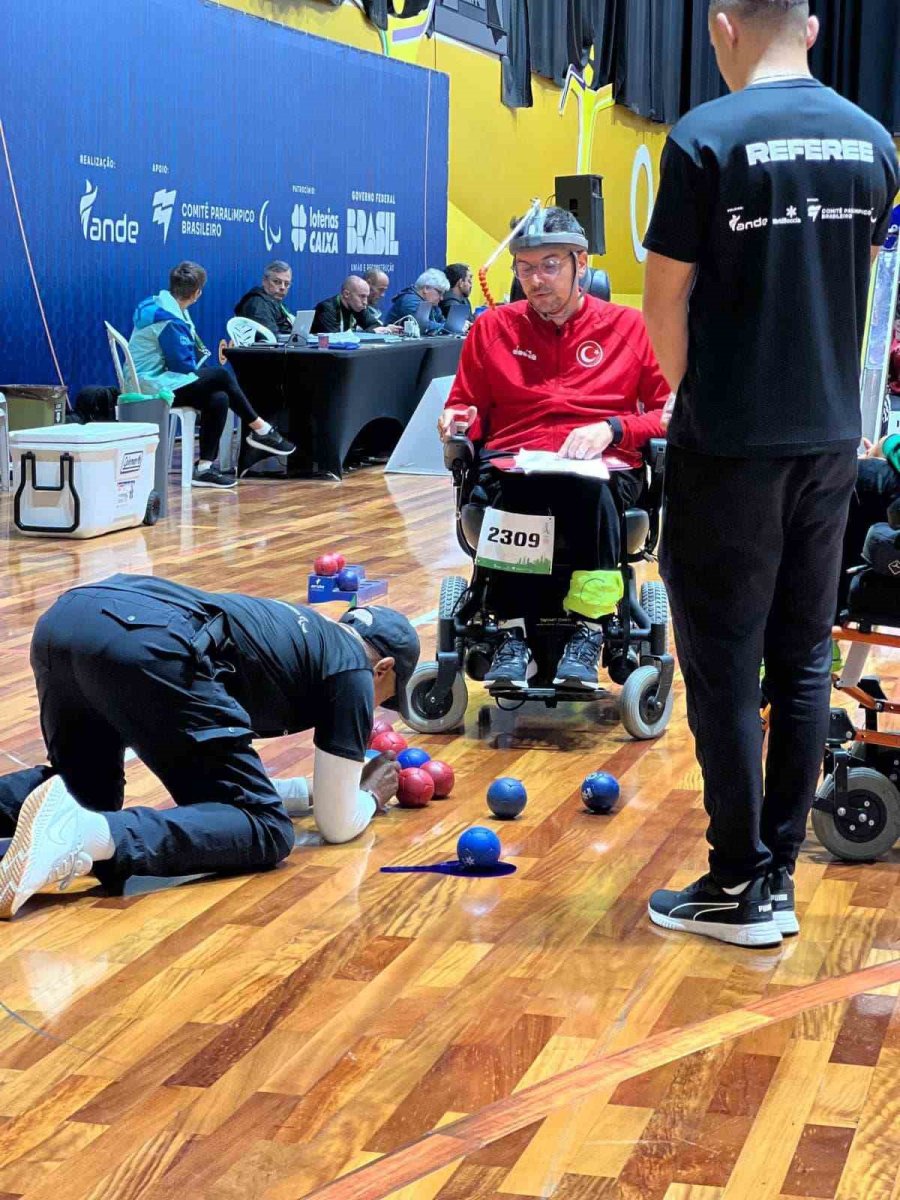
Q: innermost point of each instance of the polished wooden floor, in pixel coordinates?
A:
(261, 1037)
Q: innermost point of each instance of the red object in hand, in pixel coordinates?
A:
(326, 564)
(415, 789)
(443, 777)
(340, 560)
(379, 726)
(388, 741)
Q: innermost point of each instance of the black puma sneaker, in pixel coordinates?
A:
(705, 908)
(781, 888)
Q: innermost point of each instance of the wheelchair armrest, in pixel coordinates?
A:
(459, 454)
(654, 453)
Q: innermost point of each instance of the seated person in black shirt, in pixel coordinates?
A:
(348, 311)
(265, 304)
(379, 282)
(188, 679)
(459, 276)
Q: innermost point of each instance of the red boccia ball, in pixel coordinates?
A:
(443, 777)
(326, 564)
(340, 560)
(415, 789)
(388, 741)
(380, 726)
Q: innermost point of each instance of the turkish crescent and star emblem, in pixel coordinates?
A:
(590, 354)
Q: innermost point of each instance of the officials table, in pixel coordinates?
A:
(323, 399)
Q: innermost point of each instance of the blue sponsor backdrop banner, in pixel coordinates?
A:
(151, 131)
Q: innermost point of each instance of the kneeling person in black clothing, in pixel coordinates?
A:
(187, 679)
(168, 353)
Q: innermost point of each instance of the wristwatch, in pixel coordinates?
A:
(617, 430)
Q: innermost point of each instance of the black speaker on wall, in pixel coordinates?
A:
(583, 196)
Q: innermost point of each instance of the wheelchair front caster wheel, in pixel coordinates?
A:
(154, 508)
(439, 714)
(865, 826)
(642, 714)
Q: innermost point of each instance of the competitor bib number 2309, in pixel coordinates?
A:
(516, 542)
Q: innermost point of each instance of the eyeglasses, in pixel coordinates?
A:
(549, 268)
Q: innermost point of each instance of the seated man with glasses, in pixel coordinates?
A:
(265, 304)
(565, 372)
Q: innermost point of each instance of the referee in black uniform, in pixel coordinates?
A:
(187, 679)
(772, 204)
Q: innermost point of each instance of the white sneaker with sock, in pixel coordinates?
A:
(56, 840)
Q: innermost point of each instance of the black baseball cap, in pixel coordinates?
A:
(392, 635)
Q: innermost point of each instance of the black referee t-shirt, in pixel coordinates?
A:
(777, 193)
(293, 669)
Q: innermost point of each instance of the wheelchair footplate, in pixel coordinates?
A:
(550, 696)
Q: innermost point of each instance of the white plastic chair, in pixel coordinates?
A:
(127, 376)
(244, 332)
(5, 464)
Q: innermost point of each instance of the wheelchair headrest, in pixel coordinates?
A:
(596, 283)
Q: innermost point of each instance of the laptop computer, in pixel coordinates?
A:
(300, 329)
(423, 316)
(455, 321)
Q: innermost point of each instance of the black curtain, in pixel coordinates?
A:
(858, 54)
(515, 66)
(649, 58)
(658, 57)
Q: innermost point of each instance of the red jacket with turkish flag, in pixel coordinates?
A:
(533, 382)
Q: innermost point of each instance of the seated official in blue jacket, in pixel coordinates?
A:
(431, 286)
(168, 353)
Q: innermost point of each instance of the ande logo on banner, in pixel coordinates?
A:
(121, 230)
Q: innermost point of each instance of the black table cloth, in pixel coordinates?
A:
(323, 399)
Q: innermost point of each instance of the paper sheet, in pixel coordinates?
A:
(546, 462)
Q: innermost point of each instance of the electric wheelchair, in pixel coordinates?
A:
(856, 812)
(636, 639)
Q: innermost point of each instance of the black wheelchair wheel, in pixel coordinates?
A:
(655, 604)
(452, 590)
(868, 825)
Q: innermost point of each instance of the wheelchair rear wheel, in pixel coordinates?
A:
(868, 825)
(453, 588)
(446, 713)
(642, 715)
(655, 604)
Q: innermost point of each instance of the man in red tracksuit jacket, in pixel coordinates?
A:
(565, 372)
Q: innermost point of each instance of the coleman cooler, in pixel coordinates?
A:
(83, 480)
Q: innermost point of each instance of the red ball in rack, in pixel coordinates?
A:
(326, 564)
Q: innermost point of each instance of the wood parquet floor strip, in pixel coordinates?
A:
(264, 1037)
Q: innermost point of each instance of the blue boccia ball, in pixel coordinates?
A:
(348, 580)
(479, 847)
(600, 792)
(413, 757)
(506, 798)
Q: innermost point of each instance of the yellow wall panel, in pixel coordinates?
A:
(501, 158)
